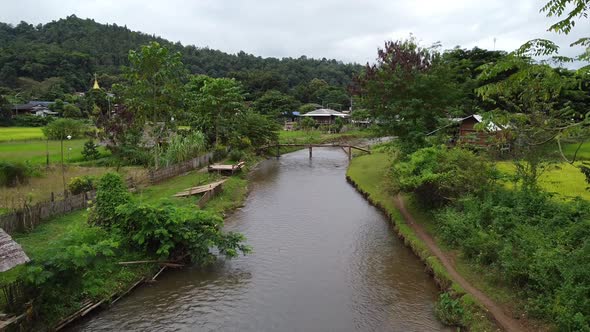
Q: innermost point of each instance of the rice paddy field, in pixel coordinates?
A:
(8, 134)
(35, 152)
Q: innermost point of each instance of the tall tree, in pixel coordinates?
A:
(212, 103)
(154, 82)
(275, 104)
(407, 91)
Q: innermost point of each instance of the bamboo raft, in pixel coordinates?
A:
(226, 168)
(199, 189)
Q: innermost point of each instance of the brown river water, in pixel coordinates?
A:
(323, 260)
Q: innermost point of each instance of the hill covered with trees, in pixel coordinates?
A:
(48, 60)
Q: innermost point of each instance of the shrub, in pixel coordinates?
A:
(533, 242)
(236, 155)
(307, 123)
(31, 120)
(13, 174)
(170, 232)
(62, 272)
(71, 111)
(81, 184)
(219, 152)
(90, 151)
(111, 192)
(449, 310)
(438, 175)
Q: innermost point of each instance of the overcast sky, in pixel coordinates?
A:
(347, 30)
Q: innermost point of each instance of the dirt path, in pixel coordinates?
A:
(504, 321)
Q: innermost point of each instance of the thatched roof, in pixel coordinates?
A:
(11, 253)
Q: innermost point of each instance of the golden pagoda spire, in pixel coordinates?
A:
(96, 86)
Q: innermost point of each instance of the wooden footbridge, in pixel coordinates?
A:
(347, 148)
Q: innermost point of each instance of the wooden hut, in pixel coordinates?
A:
(11, 253)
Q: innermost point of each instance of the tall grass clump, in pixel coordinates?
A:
(182, 148)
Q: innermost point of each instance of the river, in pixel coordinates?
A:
(323, 260)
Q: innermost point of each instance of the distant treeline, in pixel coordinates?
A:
(62, 57)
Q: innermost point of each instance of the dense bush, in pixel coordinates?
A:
(170, 232)
(57, 277)
(81, 184)
(111, 192)
(236, 155)
(533, 242)
(31, 120)
(449, 310)
(307, 123)
(438, 175)
(90, 151)
(13, 174)
(219, 152)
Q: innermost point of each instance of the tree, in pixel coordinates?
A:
(71, 111)
(275, 104)
(153, 84)
(60, 129)
(407, 91)
(212, 103)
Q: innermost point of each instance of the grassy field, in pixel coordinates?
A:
(562, 179)
(35, 152)
(20, 133)
(583, 153)
(40, 188)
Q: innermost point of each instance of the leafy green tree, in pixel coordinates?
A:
(407, 91)
(258, 129)
(153, 84)
(60, 129)
(71, 111)
(90, 151)
(275, 104)
(213, 102)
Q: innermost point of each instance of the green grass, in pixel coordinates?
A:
(583, 153)
(35, 152)
(563, 179)
(20, 133)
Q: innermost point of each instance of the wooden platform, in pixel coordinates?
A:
(199, 189)
(226, 168)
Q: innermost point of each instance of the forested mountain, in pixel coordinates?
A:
(63, 55)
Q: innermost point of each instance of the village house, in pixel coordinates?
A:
(464, 132)
(326, 115)
(34, 107)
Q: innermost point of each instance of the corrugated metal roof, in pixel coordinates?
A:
(11, 253)
(326, 112)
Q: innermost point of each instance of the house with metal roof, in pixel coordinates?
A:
(34, 107)
(325, 115)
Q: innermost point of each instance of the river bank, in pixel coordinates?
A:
(368, 174)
